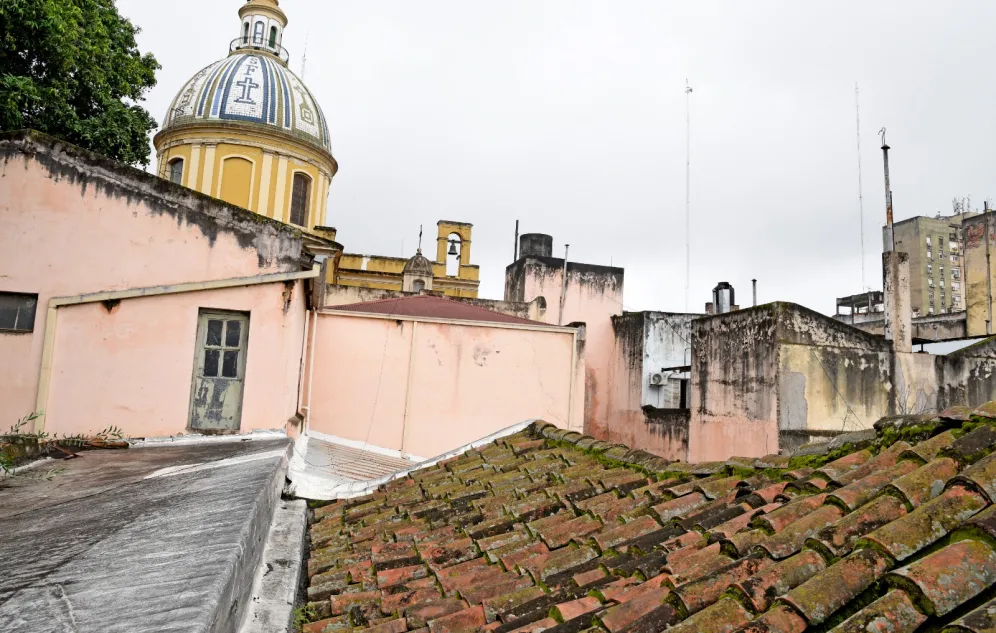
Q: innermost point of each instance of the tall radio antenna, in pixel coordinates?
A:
(688, 192)
(304, 56)
(861, 195)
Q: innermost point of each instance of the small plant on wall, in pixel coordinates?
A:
(20, 445)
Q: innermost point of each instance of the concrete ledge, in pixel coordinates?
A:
(278, 576)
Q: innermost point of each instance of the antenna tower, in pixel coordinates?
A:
(688, 192)
(861, 194)
(304, 57)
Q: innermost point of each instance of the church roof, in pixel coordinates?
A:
(255, 88)
(430, 306)
(552, 530)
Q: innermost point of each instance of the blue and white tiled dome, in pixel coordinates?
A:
(251, 88)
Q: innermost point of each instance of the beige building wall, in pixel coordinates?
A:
(978, 275)
(935, 247)
(427, 386)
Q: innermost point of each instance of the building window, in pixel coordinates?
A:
(273, 37)
(954, 259)
(257, 34)
(245, 34)
(928, 241)
(956, 273)
(930, 269)
(418, 286)
(176, 171)
(930, 282)
(300, 199)
(17, 311)
(930, 310)
(930, 255)
(956, 299)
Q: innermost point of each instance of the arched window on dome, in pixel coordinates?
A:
(300, 199)
(418, 286)
(175, 171)
(258, 34)
(273, 37)
(245, 34)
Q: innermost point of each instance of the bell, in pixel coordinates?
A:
(453, 250)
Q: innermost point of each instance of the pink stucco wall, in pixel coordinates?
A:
(466, 382)
(720, 437)
(593, 301)
(71, 223)
(132, 367)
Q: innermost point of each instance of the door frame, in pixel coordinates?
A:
(243, 362)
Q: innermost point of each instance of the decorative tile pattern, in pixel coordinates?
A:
(251, 88)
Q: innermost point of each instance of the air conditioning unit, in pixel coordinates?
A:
(657, 379)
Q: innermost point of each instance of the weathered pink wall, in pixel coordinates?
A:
(132, 367)
(467, 381)
(591, 299)
(719, 438)
(72, 223)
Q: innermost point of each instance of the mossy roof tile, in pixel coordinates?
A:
(913, 498)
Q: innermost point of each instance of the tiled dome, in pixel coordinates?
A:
(418, 265)
(251, 88)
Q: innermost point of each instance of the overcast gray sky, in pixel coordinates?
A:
(569, 115)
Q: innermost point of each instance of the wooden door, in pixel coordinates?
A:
(219, 372)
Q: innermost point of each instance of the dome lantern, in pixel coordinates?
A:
(262, 29)
(247, 130)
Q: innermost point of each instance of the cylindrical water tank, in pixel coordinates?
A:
(535, 245)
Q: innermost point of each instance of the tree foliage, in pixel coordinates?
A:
(72, 69)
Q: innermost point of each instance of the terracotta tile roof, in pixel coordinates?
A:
(551, 530)
(431, 306)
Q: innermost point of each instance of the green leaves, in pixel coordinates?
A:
(72, 69)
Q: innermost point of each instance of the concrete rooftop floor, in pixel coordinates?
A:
(150, 539)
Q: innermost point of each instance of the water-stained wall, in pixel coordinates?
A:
(72, 223)
(775, 376)
(593, 295)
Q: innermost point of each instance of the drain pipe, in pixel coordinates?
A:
(408, 391)
(52, 317)
(563, 286)
(311, 366)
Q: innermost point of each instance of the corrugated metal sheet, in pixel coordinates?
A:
(349, 463)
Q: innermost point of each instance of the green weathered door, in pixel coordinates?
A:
(219, 372)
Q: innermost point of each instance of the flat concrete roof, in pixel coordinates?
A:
(144, 539)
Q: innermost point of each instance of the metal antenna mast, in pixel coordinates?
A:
(861, 194)
(688, 192)
(304, 56)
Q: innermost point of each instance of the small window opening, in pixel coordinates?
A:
(17, 311)
(245, 34)
(176, 171)
(418, 286)
(273, 37)
(300, 197)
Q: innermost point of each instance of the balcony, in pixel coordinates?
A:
(251, 43)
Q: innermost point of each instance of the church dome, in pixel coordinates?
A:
(251, 87)
(418, 265)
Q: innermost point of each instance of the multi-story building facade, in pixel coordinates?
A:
(935, 246)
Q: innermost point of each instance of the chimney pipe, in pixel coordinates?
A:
(754, 283)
